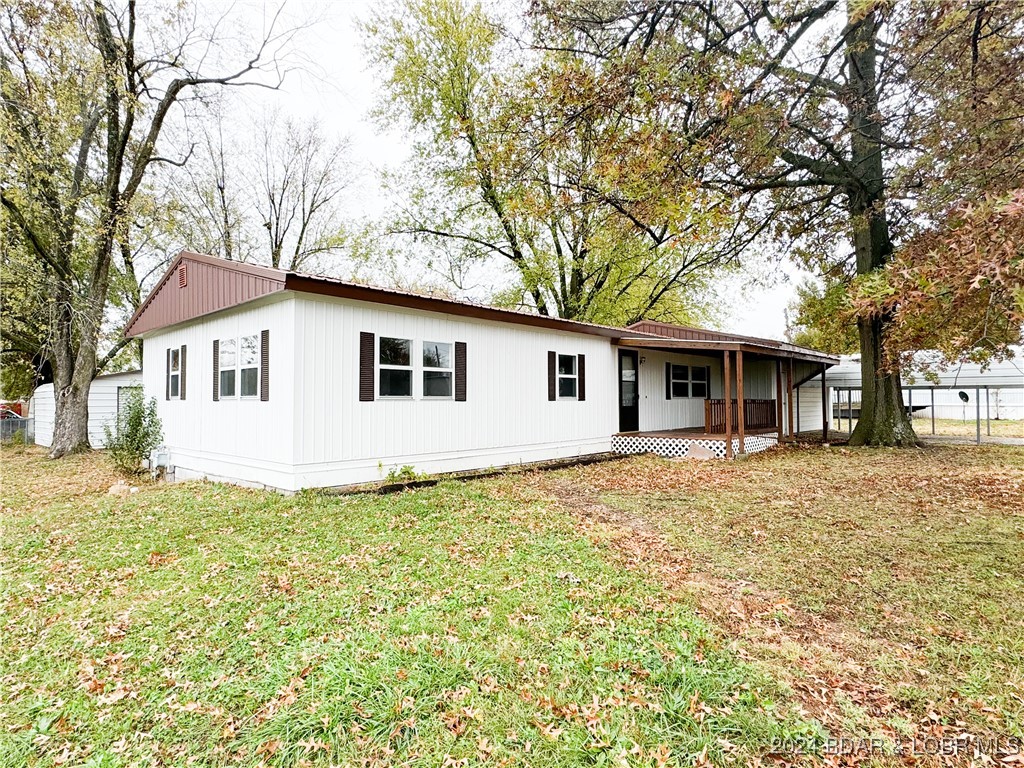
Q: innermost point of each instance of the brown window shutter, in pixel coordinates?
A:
(167, 377)
(265, 365)
(366, 388)
(181, 373)
(460, 371)
(581, 370)
(707, 378)
(552, 375)
(216, 369)
(668, 381)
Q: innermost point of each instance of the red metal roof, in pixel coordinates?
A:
(210, 284)
(196, 285)
(685, 336)
(206, 285)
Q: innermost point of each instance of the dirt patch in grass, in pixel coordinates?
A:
(882, 586)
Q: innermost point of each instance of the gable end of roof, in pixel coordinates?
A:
(209, 285)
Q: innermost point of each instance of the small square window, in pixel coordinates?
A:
(680, 389)
(395, 351)
(698, 389)
(437, 354)
(437, 384)
(567, 386)
(567, 365)
(395, 382)
(175, 360)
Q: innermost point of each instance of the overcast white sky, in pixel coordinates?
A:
(338, 89)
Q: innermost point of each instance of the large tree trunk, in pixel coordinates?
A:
(883, 419)
(74, 372)
(71, 421)
(71, 404)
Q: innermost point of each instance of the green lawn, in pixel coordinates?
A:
(470, 623)
(641, 612)
(885, 587)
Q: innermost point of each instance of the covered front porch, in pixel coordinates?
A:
(709, 394)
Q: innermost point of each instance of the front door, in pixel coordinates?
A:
(629, 395)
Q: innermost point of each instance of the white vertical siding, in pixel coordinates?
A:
(758, 379)
(315, 432)
(657, 411)
(102, 407)
(237, 439)
(806, 396)
(506, 418)
(42, 408)
(1002, 403)
(808, 413)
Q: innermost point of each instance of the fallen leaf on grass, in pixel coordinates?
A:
(268, 748)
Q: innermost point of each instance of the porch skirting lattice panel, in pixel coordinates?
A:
(679, 447)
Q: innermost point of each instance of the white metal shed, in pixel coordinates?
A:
(105, 398)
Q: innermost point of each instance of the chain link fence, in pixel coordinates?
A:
(17, 430)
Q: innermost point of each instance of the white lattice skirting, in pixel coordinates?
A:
(679, 447)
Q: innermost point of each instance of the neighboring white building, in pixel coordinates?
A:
(106, 396)
(291, 381)
(998, 389)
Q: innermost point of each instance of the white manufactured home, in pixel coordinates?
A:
(293, 381)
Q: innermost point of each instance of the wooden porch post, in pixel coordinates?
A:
(825, 415)
(778, 398)
(740, 405)
(789, 400)
(727, 386)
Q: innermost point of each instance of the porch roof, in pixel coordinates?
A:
(763, 347)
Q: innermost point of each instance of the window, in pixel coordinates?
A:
(395, 367)
(228, 361)
(175, 373)
(240, 367)
(437, 369)
(568, 378)
(680, 381)
(688, 381)
(249, 369)
(698, 382)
